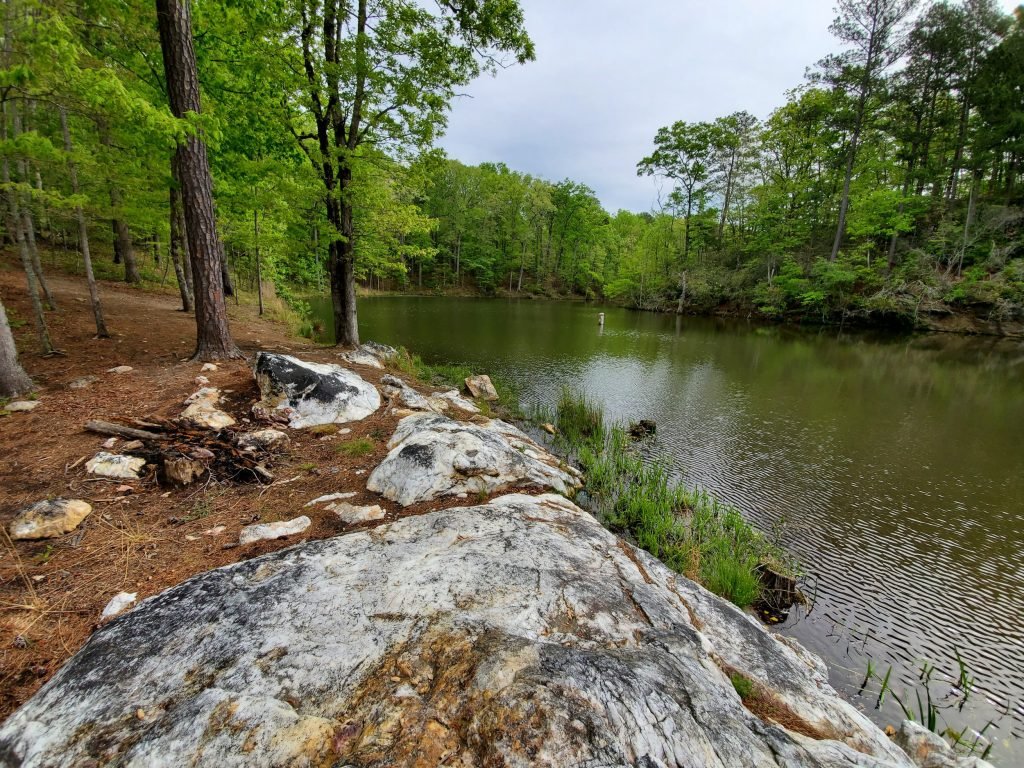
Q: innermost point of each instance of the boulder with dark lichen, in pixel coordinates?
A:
(516, 633)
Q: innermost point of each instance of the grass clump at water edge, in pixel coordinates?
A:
(689, 530)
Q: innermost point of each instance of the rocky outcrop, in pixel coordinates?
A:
(432, 456)
(929, 750)
(517, 633)
(307, 394)
(439, 402)
(371, 354)
(48, 518)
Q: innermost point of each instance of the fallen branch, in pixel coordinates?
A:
(117, 430)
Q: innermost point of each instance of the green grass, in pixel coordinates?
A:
(743, 685)
(360, 446)
(689, 530)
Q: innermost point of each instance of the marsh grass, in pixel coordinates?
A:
(360, 446)
(689, 530)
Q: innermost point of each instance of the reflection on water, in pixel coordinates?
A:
(892, 467)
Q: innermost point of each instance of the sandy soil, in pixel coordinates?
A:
(151, 537)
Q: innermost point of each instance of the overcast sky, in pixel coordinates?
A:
(609, 73)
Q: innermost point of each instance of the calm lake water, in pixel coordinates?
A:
(892, 467)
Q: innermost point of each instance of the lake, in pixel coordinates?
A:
(892, 467)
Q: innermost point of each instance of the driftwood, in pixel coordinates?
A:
(117, 430)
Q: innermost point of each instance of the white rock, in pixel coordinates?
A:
(202, 410)
(277, 530)
(481, 386)
(48, 518)
(359, 356)
(201, 381)
(119, 603)
(208, 367)
(521, 633)
(110, 443)
(354, 515)
(263, 439)
(121, 369)
(308, 394)
(21, 406)
(331, 497)
(433, 456)
(929, 750)
(81, 383)
(116, 466)
(452, 396)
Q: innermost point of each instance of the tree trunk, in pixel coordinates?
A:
(213, 337)
(14, 224)
(25, 207)
(343, 280)
(179, 252)
(124, 251)
(83, 233)
(259, 273)
(13, 379)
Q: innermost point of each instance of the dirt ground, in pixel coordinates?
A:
(151, 537)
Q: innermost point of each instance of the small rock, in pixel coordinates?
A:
(48, 518)
(82, 383)
(121, 369)
(549, 428)
(361, 357)
(263, 439)
(345, 431)
(217, 530)
(454, 398)
(183, 471)
(202, 381)
(119, 603)
(929, 750)
(201, 453)
(203, 412)
(116, 466)
(208, 367)
(330, 497)
(132, 445)
(353, 515)
(21, 406)
(278, 530)
(481, 386)
(110, 443)
(124, 489)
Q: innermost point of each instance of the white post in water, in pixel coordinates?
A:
(600, 319)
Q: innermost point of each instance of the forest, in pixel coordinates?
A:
(886, 185)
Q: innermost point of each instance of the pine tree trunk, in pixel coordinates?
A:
(259, 271)
(83, 233)
(213, 337)
(13, 379)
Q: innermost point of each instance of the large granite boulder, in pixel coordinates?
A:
(307, 394)
(432, 455)
(518, 633)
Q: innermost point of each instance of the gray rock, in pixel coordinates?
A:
(116, 466)
(202, 410)
(261, 440)
(120, 369)
(21, 406)
(82, 383)
(395, 388)
(481, 386)
(278, 530)
(380, 351)
(519, 633)
(432, 455)
(48, 518)
(929, 750)
(307, 394)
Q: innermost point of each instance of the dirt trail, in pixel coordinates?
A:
(52, 591)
